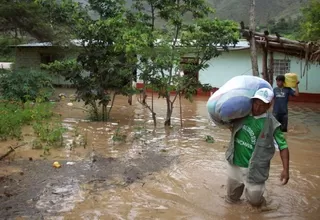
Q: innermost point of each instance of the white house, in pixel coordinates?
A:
(235, 62)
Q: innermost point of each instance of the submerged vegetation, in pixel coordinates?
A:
(24, 101)
(46, 125)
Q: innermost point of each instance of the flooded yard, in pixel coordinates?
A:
(153, 174)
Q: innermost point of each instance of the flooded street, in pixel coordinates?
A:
(163, 174)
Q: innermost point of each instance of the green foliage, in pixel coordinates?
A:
(206, 88)
(103, 68)
(162, 50)
(209, 139)
(121, 41)
(45, 20)
(49, 133)
(25, 85)
(107, 8)
(118, 136)
(13, 115)
(58, 15)
(285, 27)
(304, 27)
(6, 53)
(310, 25)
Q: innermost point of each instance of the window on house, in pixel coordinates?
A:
(281, 67)
(49, 58)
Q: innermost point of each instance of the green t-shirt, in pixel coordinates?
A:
(246, 138)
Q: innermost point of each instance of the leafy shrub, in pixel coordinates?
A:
(49, 133)
(118, 136)
(14, 114)
(25, 85)
(6, 52)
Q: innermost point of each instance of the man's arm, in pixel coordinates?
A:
(233, 122)
(284, 154)
(296, 92)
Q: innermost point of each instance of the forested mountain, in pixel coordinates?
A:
(266, 10)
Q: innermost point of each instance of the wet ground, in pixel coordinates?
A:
(161, 174)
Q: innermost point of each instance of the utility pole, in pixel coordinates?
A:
(253, 48)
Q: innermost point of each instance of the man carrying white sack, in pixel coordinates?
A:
(251, 149)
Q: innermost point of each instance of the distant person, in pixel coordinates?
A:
(251, 149)
(280, 107)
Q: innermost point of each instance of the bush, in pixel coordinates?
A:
(13, 115)
(25, 85)
(6, 52)
(49, 133)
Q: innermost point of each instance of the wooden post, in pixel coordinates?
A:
(265, 63)
(271, 68)
(253, 48)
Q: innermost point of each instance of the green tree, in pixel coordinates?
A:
(45, 20)
(161, 59)
(103, 67)
(25, 86)
(6, 52)
(310, 25)
(288, 28)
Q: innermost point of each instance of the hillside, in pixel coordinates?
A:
(265, 9)
(238, 10)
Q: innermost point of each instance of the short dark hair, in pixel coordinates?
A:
(280, 78)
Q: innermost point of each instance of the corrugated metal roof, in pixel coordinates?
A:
(46, 44)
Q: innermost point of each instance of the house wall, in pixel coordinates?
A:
(226, 66)
(30, 58)
(236, 63)
(27, 58)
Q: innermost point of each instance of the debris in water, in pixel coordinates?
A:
(70, 104)
(73, 97)
(209, 139)
(56, 164)
(70, 163)
(62, 96)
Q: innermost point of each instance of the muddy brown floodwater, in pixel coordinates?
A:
(162, 174)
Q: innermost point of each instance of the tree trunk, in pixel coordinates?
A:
(112, 103)
(181, 124)
(169, 111)
(95, 110)
(253, 49)
(130, 95)
(152, 111)
(103, 112)
(144, 93)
